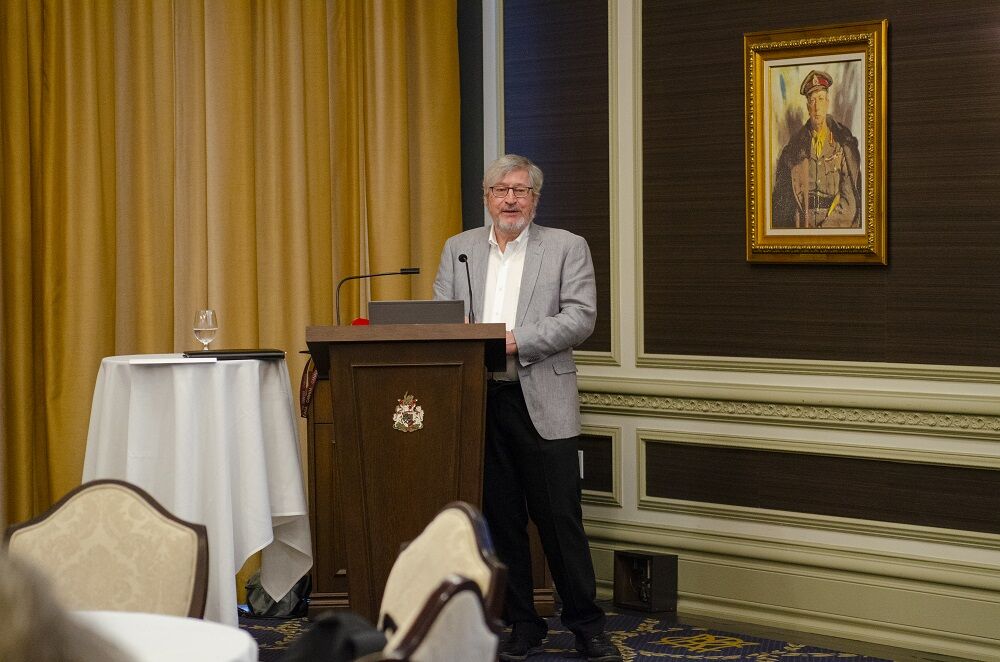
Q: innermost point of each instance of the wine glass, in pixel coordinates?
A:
(205, 325)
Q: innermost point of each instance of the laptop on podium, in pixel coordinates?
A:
(428, 311)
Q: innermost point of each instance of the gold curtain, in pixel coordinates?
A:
(158, 157)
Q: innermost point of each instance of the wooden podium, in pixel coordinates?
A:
(396, 428)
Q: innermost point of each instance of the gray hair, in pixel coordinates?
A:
(507, 164)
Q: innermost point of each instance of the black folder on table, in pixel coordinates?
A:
(234, 354)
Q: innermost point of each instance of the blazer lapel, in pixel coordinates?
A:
(532, 263)
(479, 256)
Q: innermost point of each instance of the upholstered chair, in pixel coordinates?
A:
(109, 545)
(455, 542)
(451, 626)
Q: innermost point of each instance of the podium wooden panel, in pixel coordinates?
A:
(373, 487)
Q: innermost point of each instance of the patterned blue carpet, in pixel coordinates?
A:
(644, 639)
(641, 638)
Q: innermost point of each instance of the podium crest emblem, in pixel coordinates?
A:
(409, 416)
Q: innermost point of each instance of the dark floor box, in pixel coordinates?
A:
(645, 581)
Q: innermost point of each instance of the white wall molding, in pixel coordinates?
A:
(493, 101)
(873, 419)
(828, 446)
(944, 389)
(614, 497)
(989, 375)
(925, 534)
(962, 577)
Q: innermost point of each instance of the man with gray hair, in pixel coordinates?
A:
(539, 282)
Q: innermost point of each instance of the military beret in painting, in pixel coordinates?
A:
(815, 80)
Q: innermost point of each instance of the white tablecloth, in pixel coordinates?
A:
(215, 443)
(158, 638)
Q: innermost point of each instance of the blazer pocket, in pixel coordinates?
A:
(564, 367)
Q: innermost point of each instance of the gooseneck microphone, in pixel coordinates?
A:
(464, 259)
(405, 271)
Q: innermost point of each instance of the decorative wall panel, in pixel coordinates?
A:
(601, 447)
(935, 302)
(556, 110)
(963, 498)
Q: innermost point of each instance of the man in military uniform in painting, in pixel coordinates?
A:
(817, 183)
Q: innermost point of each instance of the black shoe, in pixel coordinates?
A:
(598, 648)
(519, 645)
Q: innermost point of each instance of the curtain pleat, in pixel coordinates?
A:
(165, 156)
(77, 225)
(144, 176)
(190, 176)
(25, 478)
(387, 150)
(348, 35)
(435, 187)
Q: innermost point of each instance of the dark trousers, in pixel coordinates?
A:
(526, 475)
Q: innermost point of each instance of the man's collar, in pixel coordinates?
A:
(521, 238)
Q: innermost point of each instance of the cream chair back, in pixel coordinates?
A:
(451, 626)
(455, 542)
(108, 545)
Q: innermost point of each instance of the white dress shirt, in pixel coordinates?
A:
(503, 286)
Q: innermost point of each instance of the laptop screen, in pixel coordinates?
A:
(416, 312)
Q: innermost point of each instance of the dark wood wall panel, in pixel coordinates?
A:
(937, 300)
(556, 113)
(470, 71)
(598, 463)
(907, 493)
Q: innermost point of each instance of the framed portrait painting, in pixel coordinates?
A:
(816, 144)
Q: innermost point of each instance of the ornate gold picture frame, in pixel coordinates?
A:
(816, 144)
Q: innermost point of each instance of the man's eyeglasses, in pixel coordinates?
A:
(500, 191)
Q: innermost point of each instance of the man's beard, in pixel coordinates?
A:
(514, 227)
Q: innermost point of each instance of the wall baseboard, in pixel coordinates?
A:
(800, 591)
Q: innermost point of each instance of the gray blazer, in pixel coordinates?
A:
(556, 311)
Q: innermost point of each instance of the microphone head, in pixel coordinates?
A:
(463, 258)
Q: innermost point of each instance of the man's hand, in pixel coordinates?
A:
(511, 344)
